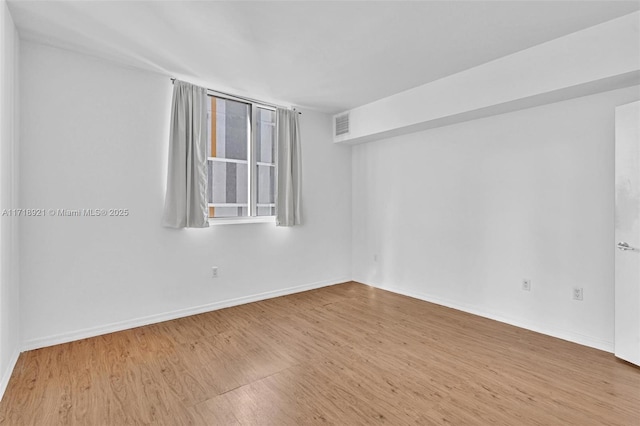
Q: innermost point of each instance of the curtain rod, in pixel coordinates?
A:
(173, 80)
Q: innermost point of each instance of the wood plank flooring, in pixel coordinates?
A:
(347, 354)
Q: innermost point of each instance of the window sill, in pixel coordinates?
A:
(238, 220)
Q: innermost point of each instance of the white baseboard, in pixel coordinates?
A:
(152, 319)
(6, 375)
(547, 329)
(166, 316)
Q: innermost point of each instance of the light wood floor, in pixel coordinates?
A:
(347, 354)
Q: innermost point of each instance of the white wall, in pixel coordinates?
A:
(95, 135)
(461, 214)
(9, 302)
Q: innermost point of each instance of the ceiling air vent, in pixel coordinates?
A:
(341, 124)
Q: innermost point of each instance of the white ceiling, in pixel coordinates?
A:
(326, 55)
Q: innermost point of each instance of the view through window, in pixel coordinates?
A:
(241, 159)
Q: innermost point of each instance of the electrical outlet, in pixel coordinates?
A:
(526, 284)
(214, 272)
(577, 293)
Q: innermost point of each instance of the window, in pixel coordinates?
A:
(241, 159)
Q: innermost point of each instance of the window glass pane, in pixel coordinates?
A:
(228, 188)
(265, 158)
(265, 135)
(266, 211)
(228, 133)
(265, 190)
(231, 211)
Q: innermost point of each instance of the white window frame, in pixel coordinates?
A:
(251, 165)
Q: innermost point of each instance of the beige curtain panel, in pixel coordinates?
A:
(185, 204)
(289, 186)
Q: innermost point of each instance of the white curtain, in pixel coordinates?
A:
(289, 187)
(185, 204)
